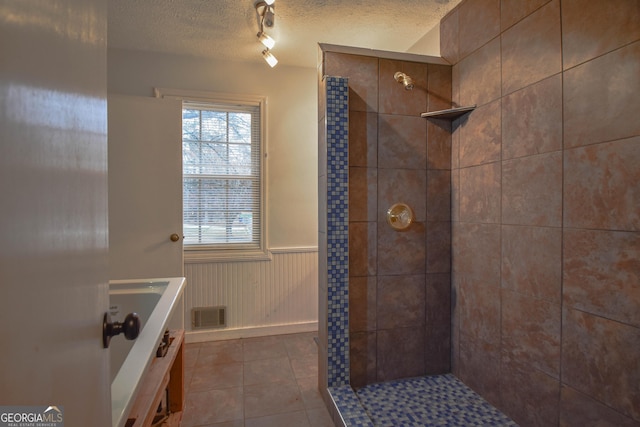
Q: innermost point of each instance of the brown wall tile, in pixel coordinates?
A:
(592, 28)
(578, 410)
(601, 186)
(400, 353)
(532, 119)
(401, 252)
(479, 75)
(480, 193)
(401, 302)
(529, 397)
(438, 247)
(439, 87)
(480, 367)
(362, 248)
(532, 190)
(439, 195)
(438, 324)
(531, 49)
(362, 72)
(449, 36)
(401, 142)
(532, 261)
(531, 332)
(613, 376)
(601, 273)
(475, 250)
(479, 22)
(362, 358)
(363, 194)
(600, 99)
(481, 136)
(479, 304)
(362, 303)
(512, 11)
(402, 185)
(438, 144)
(363, 139)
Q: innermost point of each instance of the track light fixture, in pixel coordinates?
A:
(268, 56)
(266, 17)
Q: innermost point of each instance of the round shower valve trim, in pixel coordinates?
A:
(399, 216)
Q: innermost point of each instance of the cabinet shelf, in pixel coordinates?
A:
(450, 114)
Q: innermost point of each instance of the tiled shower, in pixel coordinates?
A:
(522, 275)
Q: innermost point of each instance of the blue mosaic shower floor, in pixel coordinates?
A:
(440, 400)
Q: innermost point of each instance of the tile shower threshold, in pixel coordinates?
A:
(439, 400)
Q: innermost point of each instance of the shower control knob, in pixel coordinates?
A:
(130, 327)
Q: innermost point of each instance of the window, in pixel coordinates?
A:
(223, 170)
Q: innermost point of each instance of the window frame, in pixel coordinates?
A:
(209, 253)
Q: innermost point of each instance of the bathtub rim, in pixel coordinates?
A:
(127, 381)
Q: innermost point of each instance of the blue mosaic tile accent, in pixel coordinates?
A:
(440, 400)
(350, 408)
(337, 117)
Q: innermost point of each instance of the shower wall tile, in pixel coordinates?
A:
(480, 193)
(532, 190)
(600, 98)
(479, 75)
(480, 309)
(363, 248)
(400, 353)
(449, 36)
(613, 376)
(532, 261)
(439, 87)
(363, 139)
(401, 302)
(455, 195)
(579, 410)
(401, 142)
(393, 98)
(479, 22)
(531, 49)
(401, 252)
(438, 247)
(438, 144)
(362, 303)
(592, 28)
(529, 396)
(531, 332)
(512, 11)
(601, 185)
(402, 185)
(455, 85)
(530, 122)
(476, 250)
(480, 367)
(363, 358)
(362, 73)
(601, 273)
(481, 136)
(438, 195)
(363, 194)
(438, 324)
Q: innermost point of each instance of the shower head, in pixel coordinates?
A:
(404, 79)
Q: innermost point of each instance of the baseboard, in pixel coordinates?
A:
(260, 331)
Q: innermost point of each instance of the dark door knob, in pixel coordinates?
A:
(130, 327)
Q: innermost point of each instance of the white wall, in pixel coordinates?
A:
(288, 282)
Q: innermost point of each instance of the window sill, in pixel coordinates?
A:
(199, 256)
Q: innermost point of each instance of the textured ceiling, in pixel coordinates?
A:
(226, 29)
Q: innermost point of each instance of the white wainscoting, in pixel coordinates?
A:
(278, 296)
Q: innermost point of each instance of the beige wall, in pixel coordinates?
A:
(291, 125)
(546, 226)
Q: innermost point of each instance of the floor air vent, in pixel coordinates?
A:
(208, 317)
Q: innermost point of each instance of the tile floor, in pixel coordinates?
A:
(254, 382)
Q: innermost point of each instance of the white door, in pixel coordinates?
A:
(53, 208)
(145, 187)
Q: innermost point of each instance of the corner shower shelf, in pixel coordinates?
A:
(450, 114)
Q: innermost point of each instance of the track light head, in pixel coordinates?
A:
(268, 56)
(267, 41)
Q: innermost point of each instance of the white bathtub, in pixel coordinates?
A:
(154, 300)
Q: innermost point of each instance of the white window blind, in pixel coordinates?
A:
(222, 188)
